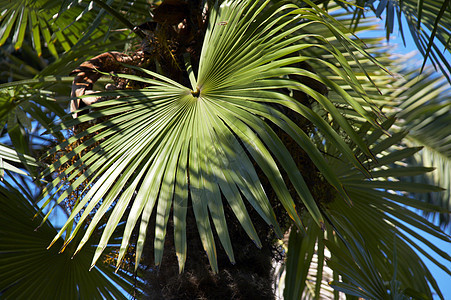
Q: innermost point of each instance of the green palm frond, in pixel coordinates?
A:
(428, 23)
(423, 99)
(19, 99)
(20, 16)
(19, 67)
(369, 284)
(279, 115)
(441, 177)
(22, 106)
(57, 26)
(24, 111)
(24, 259)
(361, 236)
(424, 105)
(177, 146)
(8, 157)
(421, 105)
(123, 11)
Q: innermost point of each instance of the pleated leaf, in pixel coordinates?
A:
(24, 259)
(198, 145)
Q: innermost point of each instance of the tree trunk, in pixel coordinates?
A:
(250, 278)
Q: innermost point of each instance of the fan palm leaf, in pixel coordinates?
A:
(360, 230)
(426, 115)
(24, 258)
(170, 143)
(364, 236)
(420, 102)
(56, 25)
(156, 152)
(25, 111)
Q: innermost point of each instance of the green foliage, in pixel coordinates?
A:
(426, 116)
(366, 264)
(428, 21)
(28, 269)
(282, 112)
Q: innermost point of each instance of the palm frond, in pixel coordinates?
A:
(420, 103)
(211, 137)
(25, 111)
(364, 239)
(9, 156)
(25, 258)
(428, 23)
(57, 26)
(424, 105)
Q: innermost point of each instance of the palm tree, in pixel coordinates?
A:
(267, 119)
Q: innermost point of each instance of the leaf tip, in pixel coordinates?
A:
(51, 244)
(258, 244)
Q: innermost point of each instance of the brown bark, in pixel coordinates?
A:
(249, 278)
(88, 73)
